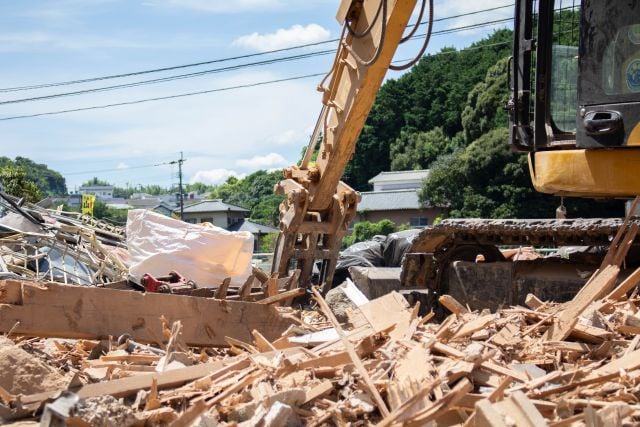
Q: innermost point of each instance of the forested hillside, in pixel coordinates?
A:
(431, 97)
(48, 181)
(447, 114)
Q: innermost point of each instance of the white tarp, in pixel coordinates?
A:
(204, 254)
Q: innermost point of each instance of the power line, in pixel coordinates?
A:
(118, 169)
(196, 64)
(172, 78)
(181, 95)
(249, 85)
(232, 68)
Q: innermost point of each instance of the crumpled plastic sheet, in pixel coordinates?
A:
(205, 254)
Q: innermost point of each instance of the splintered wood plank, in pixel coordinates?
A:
(533, 302)
(391, 310)
(221, 292)
(627, 284)
(131, 385)
(56, 310)
(598, 286)
(612, 252)
(476, 324)
(410, 373)
(245, 289)
(324, 388)
(628, 362)
(452, 304)
(442, 348)
(507, 335)
(487, 415)
(282, 296)
(371, 388)
(271, 287)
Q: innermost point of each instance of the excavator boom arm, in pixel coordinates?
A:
(319, 207)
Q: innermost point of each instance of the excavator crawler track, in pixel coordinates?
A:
(439, 245)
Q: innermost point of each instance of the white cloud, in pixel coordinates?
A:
(122, 165)
(214, 176)
(283, 38)
(271, 160)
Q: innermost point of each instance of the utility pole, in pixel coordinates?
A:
(180, 161)
(180, 186)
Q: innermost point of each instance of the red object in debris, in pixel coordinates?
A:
(174, 283)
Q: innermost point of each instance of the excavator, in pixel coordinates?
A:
(574, 109)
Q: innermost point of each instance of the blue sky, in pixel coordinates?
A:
(221, 134)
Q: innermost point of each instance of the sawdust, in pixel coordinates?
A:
(21, 373)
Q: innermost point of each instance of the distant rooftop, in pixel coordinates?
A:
(389, 200)
(383, 177)
(96, 187)
(252, 227)
(143, 203)
(216, 205)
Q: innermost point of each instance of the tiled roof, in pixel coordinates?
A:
(143, 203)
(216, 205)
(252, 227)
(400, 176)
(389, 200)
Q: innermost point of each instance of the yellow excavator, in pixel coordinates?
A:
(574, 108)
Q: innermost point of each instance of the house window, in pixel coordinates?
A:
(419, 221)
(190, 220)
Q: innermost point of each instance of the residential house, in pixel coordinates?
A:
(215, 211)
(144, 203)
(166, 209)
(395, 197)
(102, 192)
(259, 231)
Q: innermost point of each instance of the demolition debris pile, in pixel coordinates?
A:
(238, 355)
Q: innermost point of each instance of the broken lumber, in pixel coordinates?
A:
(56, 310)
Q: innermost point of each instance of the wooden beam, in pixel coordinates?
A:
(129, 386)
(221, 292)
(56, 310)
(245, 289)
(371, 388)
(599, 285)
(452, 304)
(627, 284)
(283, 296)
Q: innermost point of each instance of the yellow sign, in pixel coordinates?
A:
(87, 203)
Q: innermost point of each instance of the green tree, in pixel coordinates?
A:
(432, 94)
(417, 150)
(365, 230)
(254, 192)
(268, 243)
(95, 181)
(102, 211)
(199, 188)
(483, 110)
(48, 181)
(14, 181)
(485, 180)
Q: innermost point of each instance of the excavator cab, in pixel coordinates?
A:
(575, 95)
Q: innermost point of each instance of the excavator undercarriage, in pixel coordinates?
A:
(445, 258)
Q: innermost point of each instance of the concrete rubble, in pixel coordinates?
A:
(102, 354)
